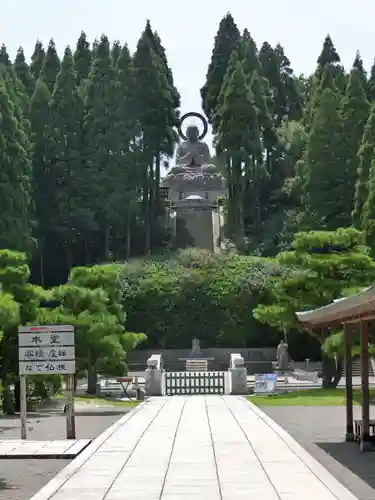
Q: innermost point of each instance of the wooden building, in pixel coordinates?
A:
(350, 313)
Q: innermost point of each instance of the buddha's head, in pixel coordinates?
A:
(192, 133)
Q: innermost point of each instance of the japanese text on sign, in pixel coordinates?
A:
(46, 353)
(33, 368)
(46, 349)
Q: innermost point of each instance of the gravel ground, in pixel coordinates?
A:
(21, 479)
(321, 431)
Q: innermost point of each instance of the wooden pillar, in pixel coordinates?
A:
(365, 396)
(349, 435)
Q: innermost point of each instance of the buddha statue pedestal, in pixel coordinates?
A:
(194, 183)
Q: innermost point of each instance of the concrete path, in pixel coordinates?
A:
(194, 447)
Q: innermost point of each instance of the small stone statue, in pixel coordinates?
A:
(195, 349)
(282, 356)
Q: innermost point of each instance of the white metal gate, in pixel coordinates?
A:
(184, 383)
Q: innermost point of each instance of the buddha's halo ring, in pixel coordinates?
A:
(196, 115)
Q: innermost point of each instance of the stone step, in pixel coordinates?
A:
(356, 368)
(196, 365)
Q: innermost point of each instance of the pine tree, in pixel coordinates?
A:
(324, 186)
(82, 58)
(365, 156)
(37, 60)
(354, 114)
(51, 66)
(23, 72)
(15, 173)
(227, 39)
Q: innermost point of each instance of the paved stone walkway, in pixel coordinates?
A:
(195, 447)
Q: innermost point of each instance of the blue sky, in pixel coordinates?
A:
(188, 28)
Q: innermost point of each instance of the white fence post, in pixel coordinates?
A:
(238, 374)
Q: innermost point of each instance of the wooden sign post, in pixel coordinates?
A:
(47, 349)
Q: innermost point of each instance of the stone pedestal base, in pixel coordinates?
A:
(153, 382)
(238, 378)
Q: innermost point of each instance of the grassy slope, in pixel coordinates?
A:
(309, 397)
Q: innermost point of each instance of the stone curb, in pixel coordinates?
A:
(63, 476)
(47, 456)
(334, 486)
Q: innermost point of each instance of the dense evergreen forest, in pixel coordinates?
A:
(82, 141)
(297, 149)
(83, 138)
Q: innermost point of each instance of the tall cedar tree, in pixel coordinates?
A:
(37, 59)
(115, 51)
(4, 56)
(366, 154)
(128, 188)
(15, 88)
(354, 114)
(256, 173)
(328, 74)
(82, 58)
(160, 51)
(65, 153)
(171, 137)
(123, 186)
(358, 64)
(284, 103)
(328, 54)
(324, 175)
(238, 138)
(23, 72)
(270, 69)
(227, 39)
(371, 83)
(368, 220)
(43, 185)
(156, 115)
(15, 172)
(101, 139)
(293, 108)
(51, 66)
